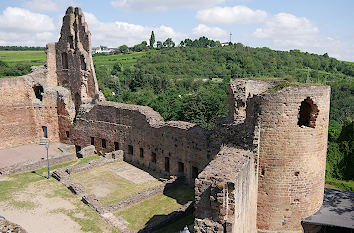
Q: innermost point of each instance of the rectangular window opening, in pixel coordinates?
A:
(64, 61)
(104, 145)
(167, 164)
(181, 168)
(92, 141)
(194, 172)
(130, 150)
(116, 146)
(141, 153)
(45, 131)
(153, 157)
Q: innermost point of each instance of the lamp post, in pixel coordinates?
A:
(45, 142)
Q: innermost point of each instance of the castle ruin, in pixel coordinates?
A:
(261, 169)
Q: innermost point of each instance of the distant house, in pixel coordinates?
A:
(225, 43)
(102, 49)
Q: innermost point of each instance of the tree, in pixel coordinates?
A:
(123, 49)
(152, 39)
(169, 43)
(159, 44)
(140, 47)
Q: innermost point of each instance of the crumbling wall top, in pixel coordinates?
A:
(226, 166)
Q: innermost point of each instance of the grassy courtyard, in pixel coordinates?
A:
(157, 206)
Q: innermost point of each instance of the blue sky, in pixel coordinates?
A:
(317, 26)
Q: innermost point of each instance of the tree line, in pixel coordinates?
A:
(14, 70)
(21, 48)
(202, 42)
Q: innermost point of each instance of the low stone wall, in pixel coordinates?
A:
(142, 195)
(36, 164)
(87, 151)
(89, 165)
(7, 226)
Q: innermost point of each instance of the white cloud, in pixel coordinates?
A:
(231, 15)
(22, 27)
(48, 5)
(161, 5)
(210, 32)
(22, 20)
(288, 30)
(118, 33)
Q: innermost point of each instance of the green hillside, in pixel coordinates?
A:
(188, 84)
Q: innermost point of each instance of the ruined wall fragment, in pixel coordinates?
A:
(226, 193)
(27, 105)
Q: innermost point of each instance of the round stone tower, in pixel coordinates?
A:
(292, 156)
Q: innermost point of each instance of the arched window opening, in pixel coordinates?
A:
(38, 90)
(308, 113)
(83, 63)
(64, 61)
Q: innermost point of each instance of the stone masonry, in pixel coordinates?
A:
(260, 169)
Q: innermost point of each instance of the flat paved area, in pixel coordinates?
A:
(132, 173)
(19, 154)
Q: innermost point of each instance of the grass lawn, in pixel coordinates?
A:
(38, 58)
(87, 159)
(341, 184)
(34, 58)
(108, 186)
(20, 192)
(140, 214)
(110, 60)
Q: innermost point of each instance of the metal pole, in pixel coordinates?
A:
(47, 147)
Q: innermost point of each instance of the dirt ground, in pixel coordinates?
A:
(48, 207)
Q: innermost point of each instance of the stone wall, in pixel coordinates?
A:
(22, 114)
(226, 193)
(144, 137)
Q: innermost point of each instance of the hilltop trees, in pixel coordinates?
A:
(202, 42)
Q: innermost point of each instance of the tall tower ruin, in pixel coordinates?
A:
(73, 58)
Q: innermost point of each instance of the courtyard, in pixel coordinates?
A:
(41, 205)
